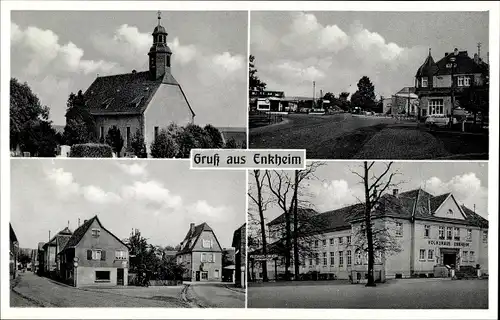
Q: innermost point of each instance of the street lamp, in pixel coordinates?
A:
(453, 64)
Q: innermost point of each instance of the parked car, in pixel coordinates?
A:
(438, 121)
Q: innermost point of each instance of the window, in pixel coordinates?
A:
(325, 259)
(465, 256)
(457, 234)
(485, 236)
(341, 240)
(463, 81)
(467, 81)
(424, 82)
(216, 274)
(102, 276)
(349, 258)
(310, 261)
(156, 132)
(448, 233)
(316, 243)
(399, 229)
(128, 136)
(427, 231)
(469, 235)
(168, 60)
(358, 256)
(204, 275)
(120, 255)
(378, 256)
(422, 254)
(96, 233)
(441, 233)
(471, 256)
(430, 254)
(436, 107)
(207, 244)
(96, 255)
(207, 257)
(341, 258)
(332, 258)
(348, 239)
(332, 241)
(324, 242)
(317, 258)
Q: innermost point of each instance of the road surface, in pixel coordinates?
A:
(395, 294)
(48, 293)
(216, 296)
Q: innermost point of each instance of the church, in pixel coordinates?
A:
(140, 100)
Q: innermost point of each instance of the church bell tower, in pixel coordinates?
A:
(160, 53)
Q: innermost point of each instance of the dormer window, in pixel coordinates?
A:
(424, 82)
(463, 81)
(96, 233)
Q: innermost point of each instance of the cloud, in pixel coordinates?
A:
(152, 191)
(466, 188)
(365, 42)
(293, 71)
(204, 209)
(227, 62)
(183, 54)
(134, 169)
(63, 180)
(97, 195)
(334, 194)
(42, 53)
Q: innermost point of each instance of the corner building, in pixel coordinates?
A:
(417, 233)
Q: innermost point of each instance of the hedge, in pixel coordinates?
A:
(91, 150)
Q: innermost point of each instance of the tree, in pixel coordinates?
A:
(165, 145)
(231, 144)
(115, 140)
(364, 97)
(24, 258)
(143, 258)
(254, 82)
(30, 129)
(374, 187)
(80, 124)
(475, 99)
(138, 146)
(215, 136)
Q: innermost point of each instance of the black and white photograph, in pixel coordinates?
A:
(370, 85)
(127, 234)
(127, 83)
(369, 235)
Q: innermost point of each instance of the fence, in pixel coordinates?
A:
(260, 119)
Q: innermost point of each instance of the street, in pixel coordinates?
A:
(216, 296)
(40, 291)
(394, 294)
(347, 136)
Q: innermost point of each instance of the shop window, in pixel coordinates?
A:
(427, 231)
(102, 276)
(422, 254)
(204, 275)
(441, 233)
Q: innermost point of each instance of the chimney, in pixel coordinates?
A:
(191, 227)
(395, 192)
(455, 52)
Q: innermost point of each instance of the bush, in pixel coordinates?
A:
(90, 150)
(164, 146)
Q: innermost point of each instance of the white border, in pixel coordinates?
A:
(158, 313)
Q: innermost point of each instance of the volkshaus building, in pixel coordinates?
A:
(415, 233)
(146, 101)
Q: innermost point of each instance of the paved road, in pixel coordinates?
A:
(324, 137)
(396, 294)
(216, 296)
(48, 293)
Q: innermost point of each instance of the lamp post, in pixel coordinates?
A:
(452, 60)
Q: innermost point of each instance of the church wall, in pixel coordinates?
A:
(121, 122)
(168, 105)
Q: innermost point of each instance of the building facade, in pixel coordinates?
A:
(146, 101)
(201, 254)
(240, 245)
(440, 84)
(94, 256)
(416, 234)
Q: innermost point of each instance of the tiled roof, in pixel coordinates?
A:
(192, 236)
(417, 204)
(128, 93)
(464, 64)
(428, 68)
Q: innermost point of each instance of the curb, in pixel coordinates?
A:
(235, 290)
(38, 303)
(189, 299)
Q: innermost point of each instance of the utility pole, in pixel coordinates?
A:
(314, 94)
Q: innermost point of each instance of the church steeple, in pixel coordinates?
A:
(160, 53)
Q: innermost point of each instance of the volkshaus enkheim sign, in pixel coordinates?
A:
(248, 159)
(448, 243)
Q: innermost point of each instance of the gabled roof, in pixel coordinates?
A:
(464, 64)
(192, 237)
(128, 93)
(82, 230)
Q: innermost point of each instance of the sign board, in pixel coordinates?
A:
(261, 257)
(75, 259)
(75, 264)
(448, 243)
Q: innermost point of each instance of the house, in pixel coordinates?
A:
(50, 249)
(240, 245)
(13, 253)
(201, 254)
(95, 255)
(421, 234)
(404, 102)
(439, 84)
(146, 100)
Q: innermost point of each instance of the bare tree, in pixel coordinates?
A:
(261, 203)
(374, 187)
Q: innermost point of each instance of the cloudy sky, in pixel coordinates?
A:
(58, 52)
(337, 186)
(336, 49)
(160, 198)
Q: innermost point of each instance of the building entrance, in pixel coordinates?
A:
(449, 259)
